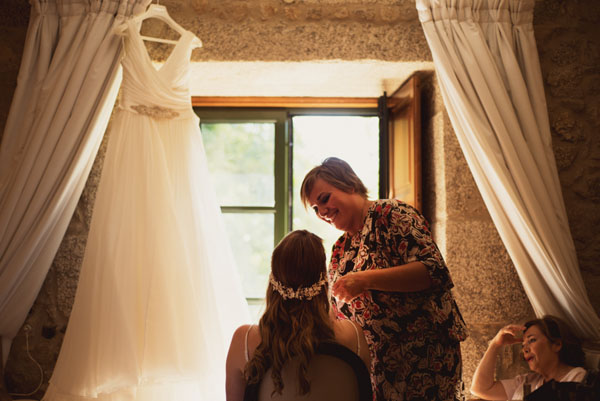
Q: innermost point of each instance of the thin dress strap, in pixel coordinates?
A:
(246, 343)
(357, 337)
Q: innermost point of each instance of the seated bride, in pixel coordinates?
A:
(296, 327)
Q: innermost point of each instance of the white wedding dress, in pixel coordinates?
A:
(159, 296)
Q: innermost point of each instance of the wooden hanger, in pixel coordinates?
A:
(160, 12)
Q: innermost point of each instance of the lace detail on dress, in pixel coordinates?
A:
(156, 112)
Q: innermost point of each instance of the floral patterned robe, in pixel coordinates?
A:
(414, 337)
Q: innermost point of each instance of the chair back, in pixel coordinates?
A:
(335, 374)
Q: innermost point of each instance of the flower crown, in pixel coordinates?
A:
(301, 293)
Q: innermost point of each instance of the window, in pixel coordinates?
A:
(258, 159)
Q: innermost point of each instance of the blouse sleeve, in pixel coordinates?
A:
(411, 237)
(511, 385)
(575, 375)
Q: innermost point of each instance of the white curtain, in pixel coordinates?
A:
(485, 56)
(67, 85)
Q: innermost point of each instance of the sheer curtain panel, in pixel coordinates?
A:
(66, 88)
(486, 60)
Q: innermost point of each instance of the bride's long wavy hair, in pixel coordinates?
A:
(292, 328)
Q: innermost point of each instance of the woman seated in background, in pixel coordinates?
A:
(550, 349)
(296, 321)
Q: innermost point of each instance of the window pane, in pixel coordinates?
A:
(241, 162)
(251, 238)
(354, 139)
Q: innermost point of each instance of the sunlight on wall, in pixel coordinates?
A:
(331, 78)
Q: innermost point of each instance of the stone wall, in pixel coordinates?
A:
(487, 288)
(568, 35)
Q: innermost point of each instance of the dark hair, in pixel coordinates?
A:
(335, 172)
(292, 328)
(558, 331)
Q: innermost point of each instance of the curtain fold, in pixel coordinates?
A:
(67, 85)
(486, 59)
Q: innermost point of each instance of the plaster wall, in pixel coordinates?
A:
(488, 290)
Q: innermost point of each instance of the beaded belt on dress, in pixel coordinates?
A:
(156, 112)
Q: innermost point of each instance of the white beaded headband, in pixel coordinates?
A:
(301, 293)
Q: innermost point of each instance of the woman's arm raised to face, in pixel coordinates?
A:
(484, 385)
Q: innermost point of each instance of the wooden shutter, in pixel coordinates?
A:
(404, 143)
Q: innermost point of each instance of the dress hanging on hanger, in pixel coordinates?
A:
(159, 296)
(160, 12)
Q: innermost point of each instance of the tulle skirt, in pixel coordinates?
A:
(159, 295)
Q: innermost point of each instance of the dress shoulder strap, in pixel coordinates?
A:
(246, 343)
(357, 337)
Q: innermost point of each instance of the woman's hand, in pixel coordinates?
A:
(349, 286)
(510, 334)
(410, 277)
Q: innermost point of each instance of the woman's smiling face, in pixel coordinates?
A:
(336, 207)
(539, 352)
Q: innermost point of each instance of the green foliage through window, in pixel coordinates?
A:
(258, 159)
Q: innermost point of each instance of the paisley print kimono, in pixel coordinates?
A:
(414, 337)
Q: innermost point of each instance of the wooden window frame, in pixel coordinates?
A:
(286, 102)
